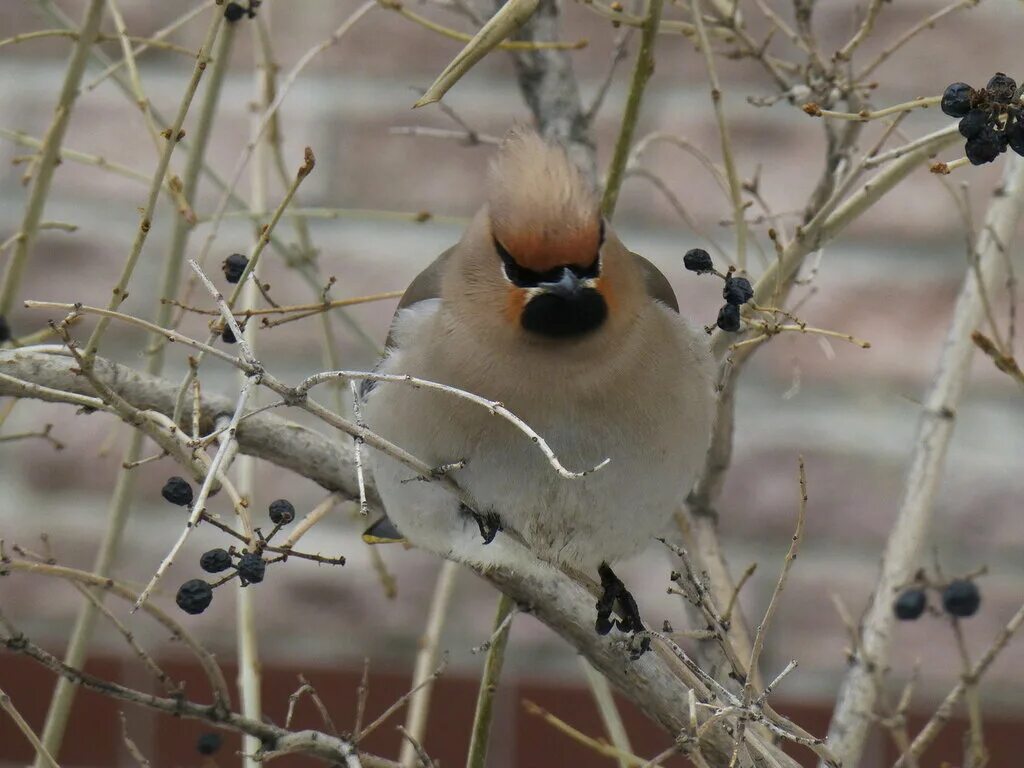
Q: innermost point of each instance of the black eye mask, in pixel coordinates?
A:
(528, 278)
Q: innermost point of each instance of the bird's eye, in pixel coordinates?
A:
(527, 278)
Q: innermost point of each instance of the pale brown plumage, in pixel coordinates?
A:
(541, 307)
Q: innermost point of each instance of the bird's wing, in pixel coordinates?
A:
(658, 286)
(426, 285)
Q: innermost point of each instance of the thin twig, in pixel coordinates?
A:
(945, 710)
(493, 406)
(172, 136)
(8, 706)
(858, 694)
(642, 71)
(735, 193)
(482, 716)
(49, 155)
(131, 746)
(426, 658)
(769, 614)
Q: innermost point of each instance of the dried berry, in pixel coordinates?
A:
(984, 147)
(281, 512)
(5, 330)
(956, 101)
(910, 604)
(227, 335)
(251, 568)
(1001, 88)
(737, 291)
(1014, 134)
(177, 491)
(194, 596)
(209, 742)
(961, 598)
(698, 260)
(729, 318)
(235, 264)
(973, 123)
(215, 561)
(233, 12)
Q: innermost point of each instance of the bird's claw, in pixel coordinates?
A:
(615, 592)
(489, 523)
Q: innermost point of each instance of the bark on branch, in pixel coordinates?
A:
(657, 682)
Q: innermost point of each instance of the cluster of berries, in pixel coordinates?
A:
(195, 595)
(235, 11)
(990, 117)
(234, 267)
(736, 292)
(5, 330)
(960, 598)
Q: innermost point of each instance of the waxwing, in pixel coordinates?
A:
(541, 307)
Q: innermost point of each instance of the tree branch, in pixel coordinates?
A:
(856, 702)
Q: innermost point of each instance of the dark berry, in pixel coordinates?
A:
(233, 12)
(961, 598)
(737, 291)
(5, 330)
(956, 101)
(227, 335)
(210, 742)
(177, 491)
(281, 512)
(698, 260)
(235, 264)
(910, 604)
(1001, 88)
(251, 567)
(194, 596)
(973, 123)
(984, 147)
(215, 561)
(729, 318)
(1014, 134)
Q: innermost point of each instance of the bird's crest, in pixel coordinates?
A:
(543, 211)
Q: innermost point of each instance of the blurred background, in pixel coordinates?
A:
(891, 278)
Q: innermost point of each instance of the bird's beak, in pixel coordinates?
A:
(568, 287)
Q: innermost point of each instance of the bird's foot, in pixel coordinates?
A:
(489, 523)
(614, 595)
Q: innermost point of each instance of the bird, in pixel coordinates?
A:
(541, 307)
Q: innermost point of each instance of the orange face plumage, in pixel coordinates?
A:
(547, 230)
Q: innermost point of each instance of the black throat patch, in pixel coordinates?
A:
(559, 317)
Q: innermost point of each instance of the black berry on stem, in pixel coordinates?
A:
(956, 100)
(251, 568)
(984, 147)
(215, 561)
(737, 290)
(227, 335)
(281, 512)
(177, 491)
(973, 123)
(729, 318)
(234, 265)
(1015, 136)
(961, 598)
(910, 604)
(194, 596)
(698, 260)
(5, 330)
(233, 12)
(208, 743)
(1001, 88)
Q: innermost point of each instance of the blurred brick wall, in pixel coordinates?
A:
(891, 278)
